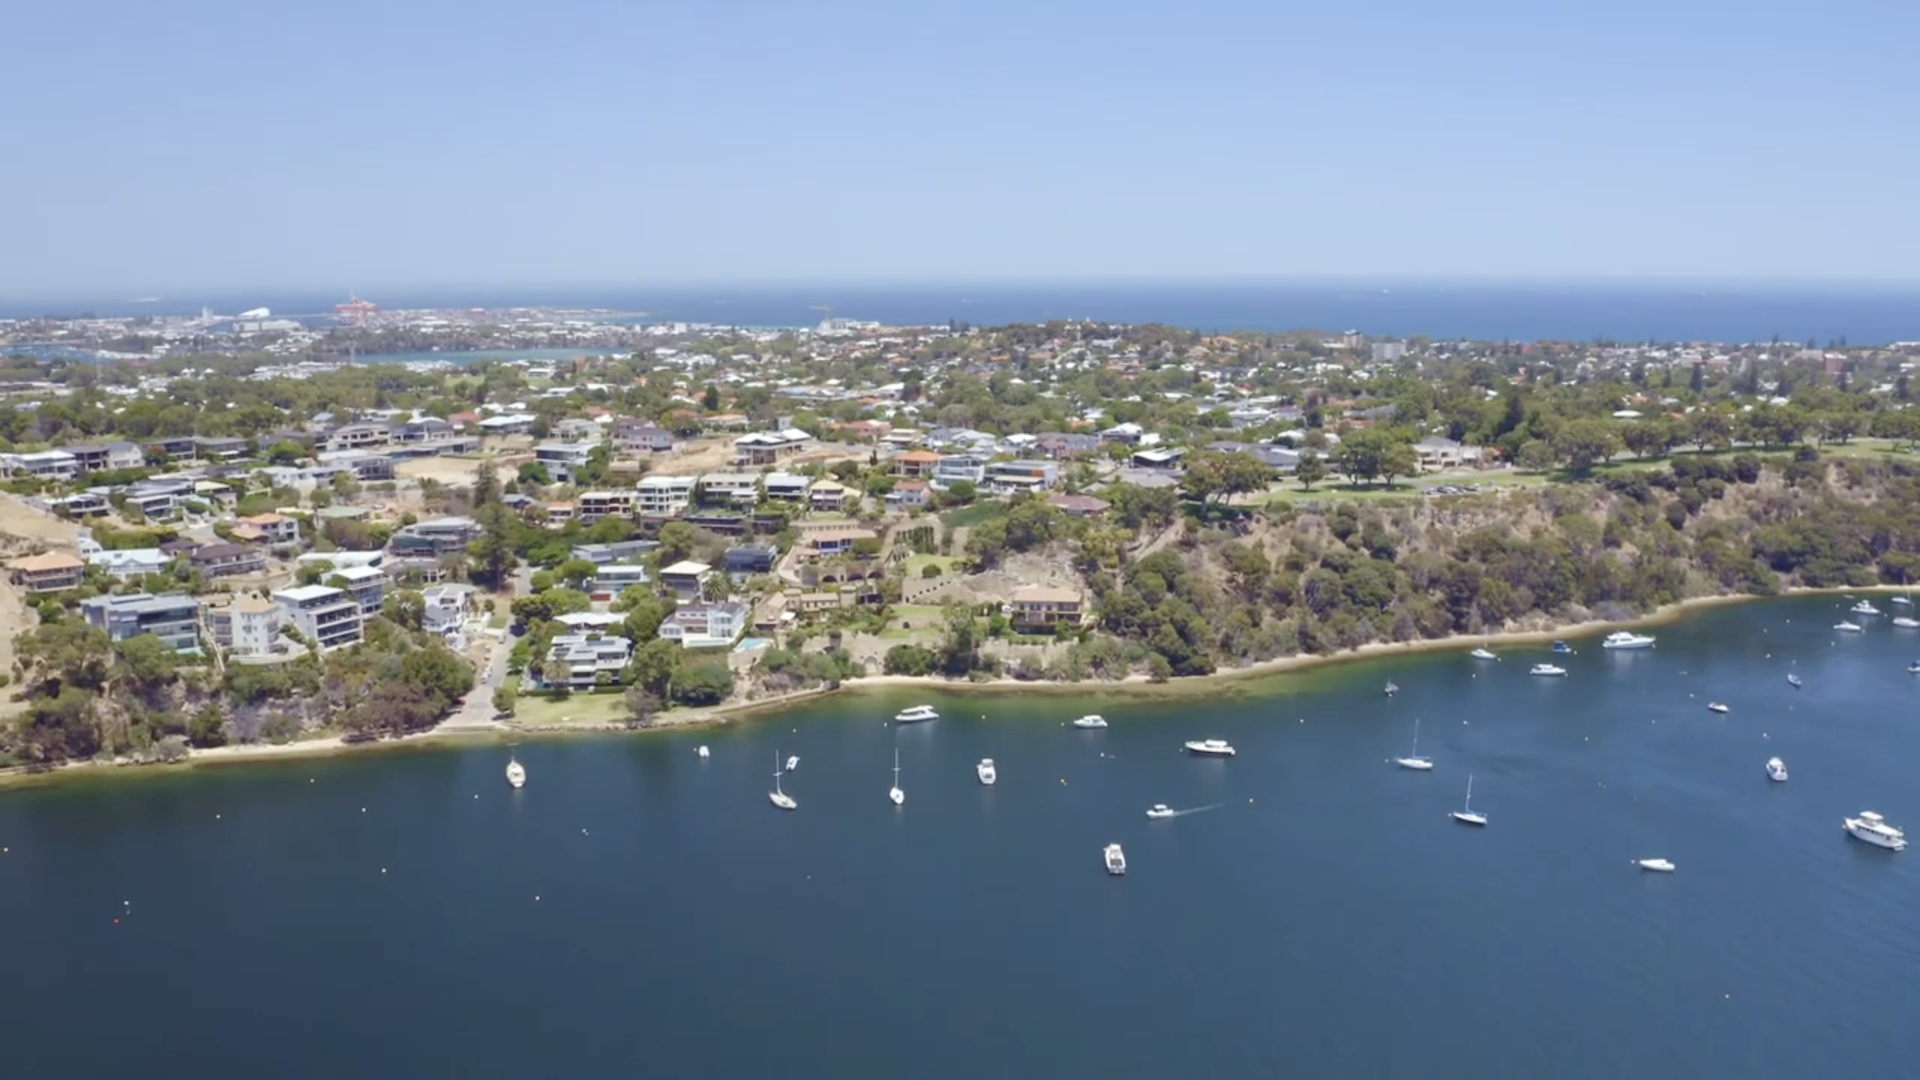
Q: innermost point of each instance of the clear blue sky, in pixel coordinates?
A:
(215, 144)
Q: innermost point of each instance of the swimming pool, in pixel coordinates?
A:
(752, 643)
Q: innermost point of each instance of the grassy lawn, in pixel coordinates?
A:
(915, 564)
(1404, 489)
(578, 709)
(979, 513)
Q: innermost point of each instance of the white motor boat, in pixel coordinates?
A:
(1864, 607)
(1467, 815)
(1846, 627)
(915, 715)
(1483, 653)
(1718, 706)
(1621, 639)
(1776, 770)
(1091, 720)
(1210, 747)
(1658, 866)
(1116, 859)
(1160, 810)
(1547, 669)
(1906, 622)
(1903, 601)
(777, 797)
(516, 773)
(702, 751)
(899, 797)
(1794, 681)
(793, 762)
(1392, 689)
(1413, 760)
(985, 772)
(1874, 829)
(1914, 668)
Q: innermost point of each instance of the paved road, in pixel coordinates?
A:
(476, 710)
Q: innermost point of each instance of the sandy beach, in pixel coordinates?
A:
(1235, 681)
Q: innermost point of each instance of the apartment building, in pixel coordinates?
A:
(172, 617)
(324, 614)
(664, 496)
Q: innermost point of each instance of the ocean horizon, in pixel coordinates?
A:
(1729, 313)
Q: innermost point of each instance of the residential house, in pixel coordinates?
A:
(1085, 506)
(50, 571)
(507, 424)
(445, 608)
(1163, 458)
(1044, 606)
(560, 512)
(612, 579)
(705, 625)
(582, 661)
(157, 500)
(173, 447)
(125, 564)
(434, 537)
(915, 464)
(1273, 457)
(247, 625)
(220, 448)
(563, 459)
(907, 494)
(114, 455)
(226, 560)
(271, 528)
(363, 436)
(664, 496)
(1012, 476)
(828, 495)
(832, 540)
(685, 578)
(953, 468)
(366, 584)
(745, 559)
(423, 431)
(323, 614)
(768, 447)
(595, 505)
(641, 437)
(616, 552)
(729, 489)
(41, 465)
(785, 486)
(1441, 453)
(172, 617)
(83, 504)
(1128, 433)
(87, 457)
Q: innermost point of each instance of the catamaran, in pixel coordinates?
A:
(1413, 760)
(899, 797)
(777, 797)
(1467, 815)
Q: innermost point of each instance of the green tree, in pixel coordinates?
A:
(505, 699)
(677, 539)
(1310, 471)
(705, 683)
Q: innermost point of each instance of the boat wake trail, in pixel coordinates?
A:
(1198, 810)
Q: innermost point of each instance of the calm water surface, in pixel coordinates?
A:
(636, 910)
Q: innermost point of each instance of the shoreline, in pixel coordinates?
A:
(1228, 679)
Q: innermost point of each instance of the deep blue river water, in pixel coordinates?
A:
(638, 911)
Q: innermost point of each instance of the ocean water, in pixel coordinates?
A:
(1526, 311)
(636, 910)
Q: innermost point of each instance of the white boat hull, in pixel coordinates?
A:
(1416, 764)
(784, 802)
(899, 797)
(1859, 830)
(1469, 817)
(1658, 866)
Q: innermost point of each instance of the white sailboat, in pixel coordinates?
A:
(516, 772)
(1467, 815)
(1413, 760)
(777, 797)
(899, 797)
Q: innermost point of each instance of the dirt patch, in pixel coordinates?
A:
(21, 525)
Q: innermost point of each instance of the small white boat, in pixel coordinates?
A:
(1621, 639)
(702, 751)
(793, 762)
(1776, 770)
(1091, 720)
(1718, 706)
(1658, 866)
(516, 772)
(1874, 829)
(1160, 810)
(1467, 815)
(777, 797)
(1413, 760)
(1914, 668)
(1864, 607)
(1210, 748)
(1903, 601)
(1483, 653)
(1115, 858)
(899, 797)
(1906, 622)
(985, 771)
(915, 715)
(1392, 689)
(1846, 627)
(1794, 681)
(1547, 669)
